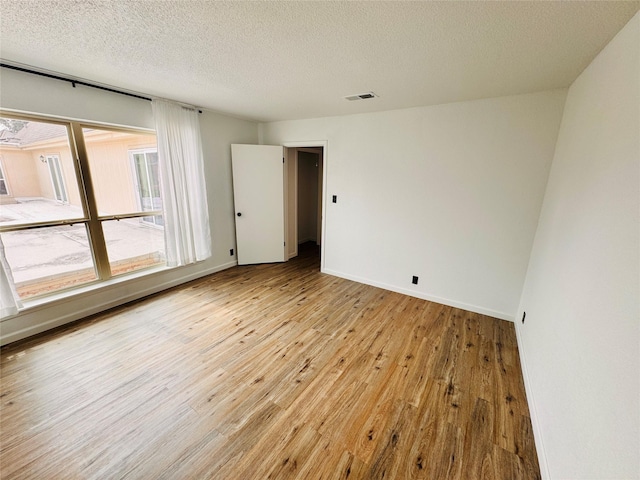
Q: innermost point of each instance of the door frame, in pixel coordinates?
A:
(325, 168)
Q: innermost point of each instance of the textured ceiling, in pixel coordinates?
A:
(289, 60)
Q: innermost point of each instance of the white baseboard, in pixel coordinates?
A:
(537, 432)
(425, 296)
(30, 321)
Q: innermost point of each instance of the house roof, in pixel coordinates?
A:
(289, 60)
(28, 133)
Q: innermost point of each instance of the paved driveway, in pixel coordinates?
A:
(45, 252)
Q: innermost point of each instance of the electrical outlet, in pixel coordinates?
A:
(231, 252)
(524, 314)
(334, 199)
(414, 280)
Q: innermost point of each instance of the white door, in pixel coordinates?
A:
(258, 194)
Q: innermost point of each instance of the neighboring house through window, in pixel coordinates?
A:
(79, 211)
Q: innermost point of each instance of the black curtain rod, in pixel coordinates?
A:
(75, 82)
(71, 81)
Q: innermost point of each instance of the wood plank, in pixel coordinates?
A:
(269, 371)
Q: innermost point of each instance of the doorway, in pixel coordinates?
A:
(265, 191)
(305, 194)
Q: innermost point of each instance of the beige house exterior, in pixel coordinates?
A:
(28, 173)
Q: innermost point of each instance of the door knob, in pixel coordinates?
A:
(239, 214)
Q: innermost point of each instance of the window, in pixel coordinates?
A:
(147, 173)
(57, 180)
(3, 181)
(78, 212)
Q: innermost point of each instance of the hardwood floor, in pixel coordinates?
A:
(269, 371)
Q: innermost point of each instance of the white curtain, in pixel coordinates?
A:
(184, 194)
(9, 299)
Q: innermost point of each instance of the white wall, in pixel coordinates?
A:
(44, 96)
(579, 342)
(449, 193)
(28, 93)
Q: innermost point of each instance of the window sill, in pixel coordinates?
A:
(72, 294)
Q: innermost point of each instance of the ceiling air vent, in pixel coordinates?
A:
(361, 96)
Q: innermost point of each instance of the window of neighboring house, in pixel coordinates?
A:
(147, 174)
(57, 179)
(75, 215)
(4, 190)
